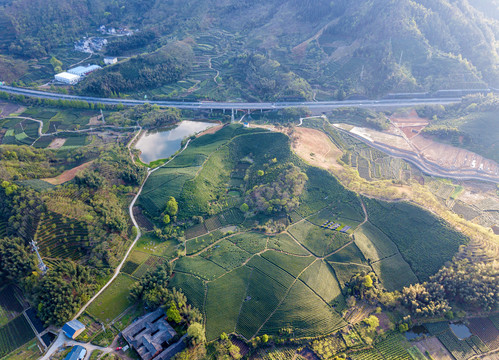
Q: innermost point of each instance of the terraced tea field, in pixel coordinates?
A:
(265, 282)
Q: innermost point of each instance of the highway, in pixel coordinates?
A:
(209, 105)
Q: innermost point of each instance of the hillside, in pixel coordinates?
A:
(335, 47)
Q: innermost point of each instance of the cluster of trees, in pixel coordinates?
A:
(361, 117)
(152, 290)
(16, 261)
(59, 103)
(63, 290)
(269, 79)
(60, 293)
(471, 285)
(166, 65)
(171, 211)
(280, 189)
(147, 116)
(127, 43)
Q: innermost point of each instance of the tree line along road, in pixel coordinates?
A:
(208, 105)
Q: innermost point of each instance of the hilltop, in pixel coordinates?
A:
(278, 48)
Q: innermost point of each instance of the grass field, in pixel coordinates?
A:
(149, 243)
(113, 301)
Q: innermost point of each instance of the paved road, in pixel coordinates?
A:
(237, 105)
(63, 340)
(424, 165)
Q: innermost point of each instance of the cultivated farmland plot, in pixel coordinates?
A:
(318, 240)
(113, 301)
(14, 334)
(285, 243)
(235, 284)
(394, 273)
(10, 306)
(264, 283)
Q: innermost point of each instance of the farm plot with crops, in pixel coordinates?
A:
(193, 288)
(113, 301)
(195, 245)
(373, 243)
(251, 242)
(410, 227)
(394, 273)
(486, 331)
(349, 254)
(305, 312)
(320, 278)
(10, 304)
(14, 334)
(394, 346)
(61, 237)
(285, 243)
(265, 279)
(318, 240)
(235, 284)
(226, 255)
(149, 265)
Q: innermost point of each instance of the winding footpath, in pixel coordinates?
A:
(61, 338)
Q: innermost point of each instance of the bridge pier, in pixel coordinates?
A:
(232, 119)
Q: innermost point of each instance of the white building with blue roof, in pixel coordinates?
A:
(77, 353)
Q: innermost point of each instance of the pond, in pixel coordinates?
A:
(415, 332)
(164, 143)
(460, 330)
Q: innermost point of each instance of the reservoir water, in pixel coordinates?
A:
(415, 332)
(164, 143)
(461, 331)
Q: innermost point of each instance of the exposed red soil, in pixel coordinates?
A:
(408, 119)
(211, 130)
(68, 175)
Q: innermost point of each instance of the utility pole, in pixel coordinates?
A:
(41, 265)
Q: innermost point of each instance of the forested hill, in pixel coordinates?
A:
(365, 46)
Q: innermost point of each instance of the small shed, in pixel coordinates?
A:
(73, 328)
